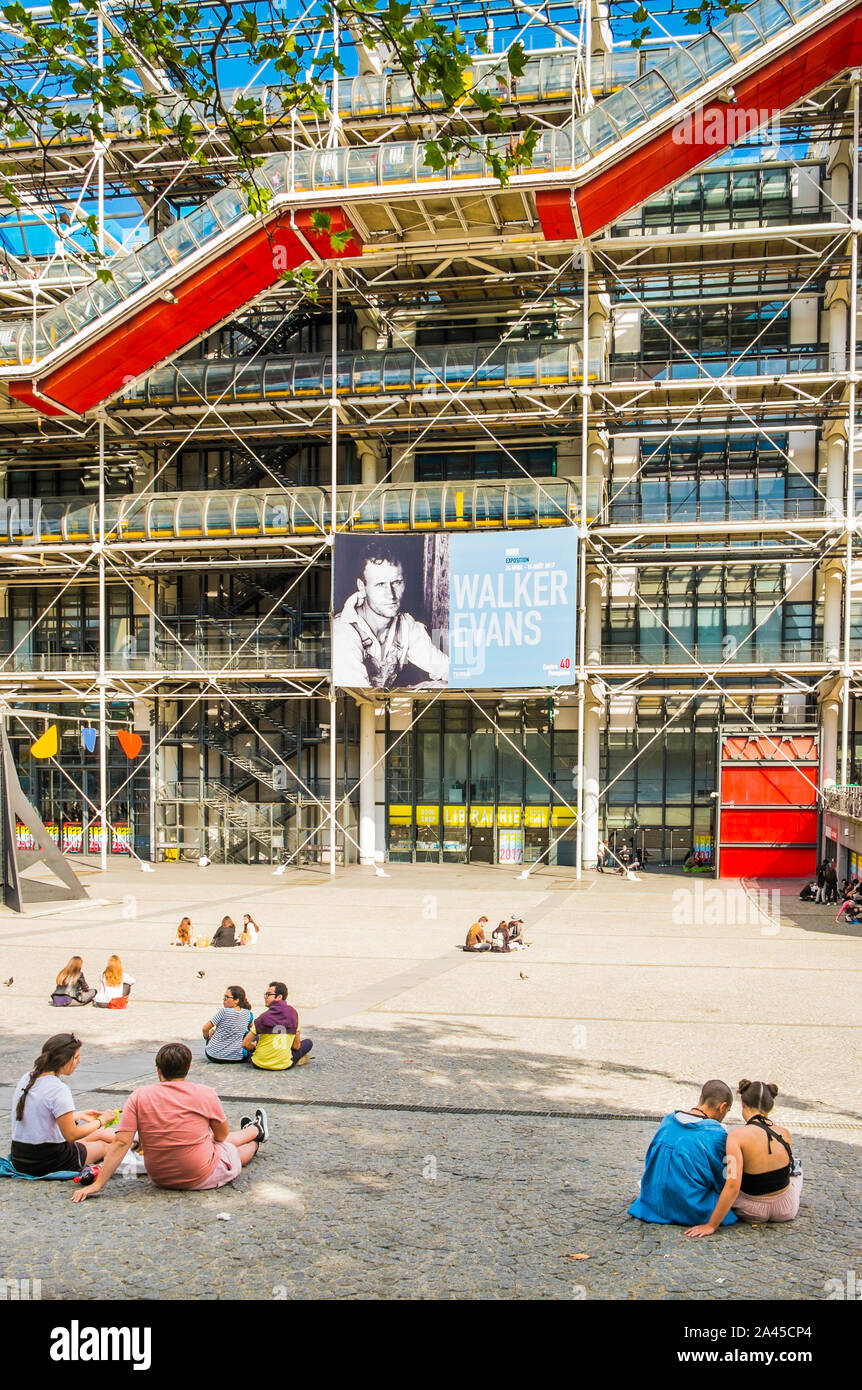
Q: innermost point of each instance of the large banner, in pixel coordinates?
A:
(467, 612)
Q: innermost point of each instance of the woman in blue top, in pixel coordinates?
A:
(228, 1026)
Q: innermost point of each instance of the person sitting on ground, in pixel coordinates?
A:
(114, 984)
(808, 894)
(684, 1167)
(515, 927)
(763, 1184)
(500, 936)
(227, 934)
(851, 911)
(71, 987)
(250, 930)
(187, 1142)
(228, 1026)
(48, 1134)
(476, 939)
(184, 933)
(273, 1039)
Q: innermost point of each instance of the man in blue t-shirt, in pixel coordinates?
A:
(684, 1168)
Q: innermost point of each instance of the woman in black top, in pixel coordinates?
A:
(226, 934)
(764, 1181)
(71, 987)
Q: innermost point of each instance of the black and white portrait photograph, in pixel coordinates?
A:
(390, 601)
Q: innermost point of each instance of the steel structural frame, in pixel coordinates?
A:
(594, 539)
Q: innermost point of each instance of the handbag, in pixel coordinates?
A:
(118, 1003)
(60, 1001)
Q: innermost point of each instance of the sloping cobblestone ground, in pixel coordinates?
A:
(623, 1011)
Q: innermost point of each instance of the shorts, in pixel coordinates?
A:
(774, 1206)
(227, 1168)
(35, 1160)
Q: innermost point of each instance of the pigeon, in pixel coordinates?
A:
(523, 976)
(201, 974)
(10, 981)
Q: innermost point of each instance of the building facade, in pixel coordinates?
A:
(673, 392)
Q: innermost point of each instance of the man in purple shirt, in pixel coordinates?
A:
(273, 1041)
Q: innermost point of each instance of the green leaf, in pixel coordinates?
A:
(517, 59)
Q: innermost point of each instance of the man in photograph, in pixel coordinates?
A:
(375, 644)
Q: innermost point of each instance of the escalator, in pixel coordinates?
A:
(584, 176)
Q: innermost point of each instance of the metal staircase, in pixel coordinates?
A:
(257, 587)
(269, 469)
(261, 767)
(241, 828)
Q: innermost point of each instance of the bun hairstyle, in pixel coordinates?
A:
(758, 1095)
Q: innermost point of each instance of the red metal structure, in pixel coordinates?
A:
(128, 341)
(627, 182)
(163, 326)
(768, 806)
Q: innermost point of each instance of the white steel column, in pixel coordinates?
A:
(849, 522)
(367, 833)
(592, 756)
(368, 464)
(833, 578)
(103, 676)
(582, 566)
(592, 717)
(829, 751)
(367, 843)
(333, 444)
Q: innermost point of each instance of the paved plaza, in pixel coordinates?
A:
(470, 1126)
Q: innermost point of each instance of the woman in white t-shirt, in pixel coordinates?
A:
(114, 983)
(250, 930)
(48, 1134)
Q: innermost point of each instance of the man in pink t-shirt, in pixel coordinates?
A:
(186, 1140)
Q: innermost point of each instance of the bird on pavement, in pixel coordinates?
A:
(10, 981)
(523, 976)
(201, 974)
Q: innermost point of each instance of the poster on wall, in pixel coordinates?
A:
(73, 837)
(511, 846)
(121, 839)
(23, 837)
(464, 612)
